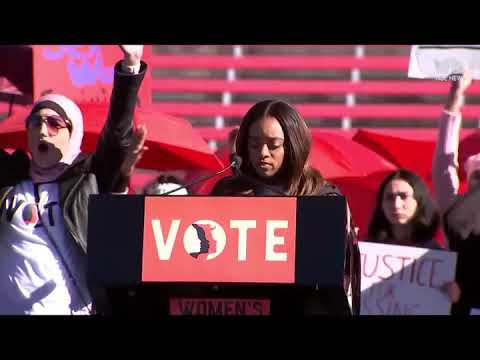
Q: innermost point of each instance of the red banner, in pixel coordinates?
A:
(84, 73)
(195, 239)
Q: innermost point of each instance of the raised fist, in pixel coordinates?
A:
(132, 54)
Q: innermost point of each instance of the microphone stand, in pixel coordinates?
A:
(233, 164)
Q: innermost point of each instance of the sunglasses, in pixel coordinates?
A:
(54, 123)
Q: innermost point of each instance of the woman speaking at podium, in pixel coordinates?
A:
(273, 144)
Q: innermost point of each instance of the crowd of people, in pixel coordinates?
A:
(44, 195)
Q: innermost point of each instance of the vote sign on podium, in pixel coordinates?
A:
(199, 239)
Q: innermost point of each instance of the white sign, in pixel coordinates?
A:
(443, 62)
(404, 280)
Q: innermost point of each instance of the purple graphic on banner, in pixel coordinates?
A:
(84, 67)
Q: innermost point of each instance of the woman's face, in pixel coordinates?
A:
(266, 146)
(398, 203)
(48, 144)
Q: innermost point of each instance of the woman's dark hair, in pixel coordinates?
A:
(299, 177)
(425, 220)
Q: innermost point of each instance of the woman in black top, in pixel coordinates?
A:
(274, 144)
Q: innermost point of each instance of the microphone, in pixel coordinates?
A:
(261, 188)
(235, 162)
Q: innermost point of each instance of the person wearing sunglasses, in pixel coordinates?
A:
(44, 197)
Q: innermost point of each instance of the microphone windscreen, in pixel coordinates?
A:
(236, 160)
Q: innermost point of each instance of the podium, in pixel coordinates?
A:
(200, 255)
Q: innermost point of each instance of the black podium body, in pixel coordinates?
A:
(304, 267)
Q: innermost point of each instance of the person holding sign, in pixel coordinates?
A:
(274, 143)
(445, 162)
(460, 212)
(44, 198)
(405, 215)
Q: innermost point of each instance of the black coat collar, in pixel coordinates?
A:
(16, 167)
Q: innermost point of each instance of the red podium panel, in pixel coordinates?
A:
(219, 240)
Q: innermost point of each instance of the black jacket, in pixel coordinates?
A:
(236, 185)
(89, 173)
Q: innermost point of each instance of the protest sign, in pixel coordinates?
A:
(404, 280)
(443, 62)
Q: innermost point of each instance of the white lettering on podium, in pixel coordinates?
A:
(242, 226)
(164, 248)
(272, 240)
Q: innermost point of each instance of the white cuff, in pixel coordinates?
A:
(131, 69)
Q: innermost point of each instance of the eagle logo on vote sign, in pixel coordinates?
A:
(204, 237)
